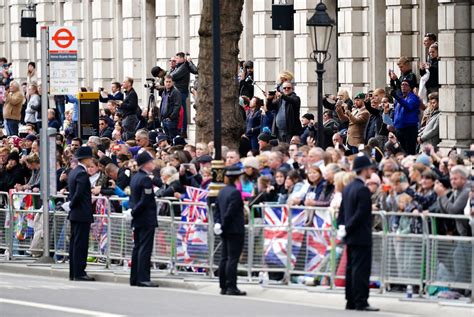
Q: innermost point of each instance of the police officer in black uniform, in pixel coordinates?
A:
(355, 226)
(80, 215)
(229, 223)
(144, 221)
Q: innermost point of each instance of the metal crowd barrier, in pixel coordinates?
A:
(407, 248)
(5, 223)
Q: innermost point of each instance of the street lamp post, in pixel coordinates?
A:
(320, 25)
(217, 164)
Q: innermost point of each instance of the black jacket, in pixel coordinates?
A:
(142, 201)
(130, 104)
(11, 177)
(80, 196)
(230, 211)
(292, 113)
(173, 105)
(356, 213)
(123, 177)
(182, 74)
(432, 84)
(106, 133)
(408, 76)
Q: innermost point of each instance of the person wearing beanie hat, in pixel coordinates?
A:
(80, 215)
(358, 118)
(424, 159)
(144, 221)
(355, 226)
(229, 224)
(264, 141)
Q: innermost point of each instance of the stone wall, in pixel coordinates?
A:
(120, 38)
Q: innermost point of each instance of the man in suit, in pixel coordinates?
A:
(358, 118)
(80, 215)
(355, 225)
(144, 221)
(129, 109)
(229, 223)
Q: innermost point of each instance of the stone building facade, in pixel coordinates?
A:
(120, 38)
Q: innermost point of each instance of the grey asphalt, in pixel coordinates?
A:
(30, 293)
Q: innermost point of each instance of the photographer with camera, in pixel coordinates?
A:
(246, 87)
(170, 107)
(287, 107)
(181, 76)
(129, 109)
(115, 94)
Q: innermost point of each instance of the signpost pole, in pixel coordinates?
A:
(44, 140)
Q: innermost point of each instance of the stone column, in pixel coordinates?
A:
(118, 40)
(246, 43)
(4, 30)
(73, 16)
(132, 57)
(45, 16)
(354, 45)
(19, 46)
(183, 7)
(102, 43)
(167, 30)
(455, 38)
(377, 44)
(403, 34)
(148, 48)
(266, 44)
(195, 7)
(287, 48)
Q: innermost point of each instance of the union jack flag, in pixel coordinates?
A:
(318, 241)
(191, 240)
(276, 236)
(100, 226)
(191, 212)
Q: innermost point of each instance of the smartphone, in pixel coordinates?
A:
(186, 166)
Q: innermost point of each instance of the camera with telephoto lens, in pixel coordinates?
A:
(150, 83)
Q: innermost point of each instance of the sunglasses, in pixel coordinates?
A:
(287, 88)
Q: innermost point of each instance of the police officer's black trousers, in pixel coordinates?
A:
(232, 246)
(359, 261)
(141, 255)
(78, 248)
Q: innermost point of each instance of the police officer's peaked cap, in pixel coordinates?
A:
(144, 158)
(83, 152)
(233, 171)
(361, 161)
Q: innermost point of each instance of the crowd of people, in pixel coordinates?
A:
(397, 128)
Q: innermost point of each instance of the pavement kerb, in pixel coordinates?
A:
(100, 275)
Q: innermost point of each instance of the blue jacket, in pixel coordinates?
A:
(253, 123)
(406, 111)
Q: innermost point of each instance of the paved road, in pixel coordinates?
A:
(22, 295)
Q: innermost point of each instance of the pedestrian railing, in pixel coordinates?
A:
(285, 241)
